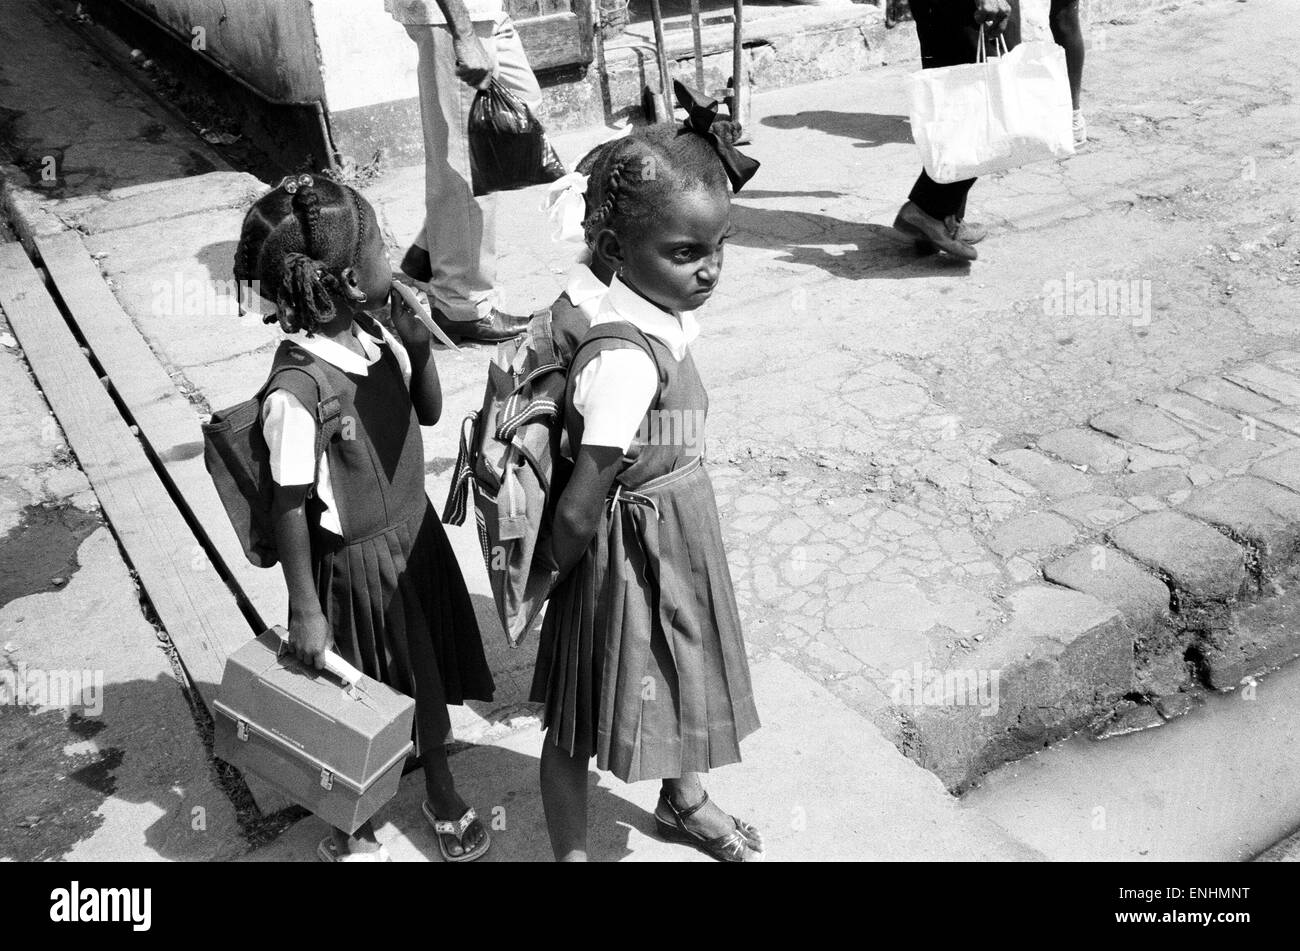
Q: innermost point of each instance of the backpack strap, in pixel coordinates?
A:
(541, 337)
(527, 401)
(307, 382)
(453, 513)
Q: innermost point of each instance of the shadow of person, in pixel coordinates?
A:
(870, 129)
(846, 249)
(85, 781)
(219, 259)
(501, 783)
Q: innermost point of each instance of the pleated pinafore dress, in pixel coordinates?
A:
(641, 661)
(391, 588)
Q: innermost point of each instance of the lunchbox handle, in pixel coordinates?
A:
(334, 664)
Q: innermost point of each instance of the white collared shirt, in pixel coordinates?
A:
(614, 391)
(290, 428)
(585, 290)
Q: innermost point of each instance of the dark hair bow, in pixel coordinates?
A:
(700, 116)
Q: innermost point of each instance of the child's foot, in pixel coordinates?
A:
(461, 836)
(338, 846)
(709, 829)
(461, 839)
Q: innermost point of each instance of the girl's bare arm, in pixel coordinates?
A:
(426, 388)
(578, 512)
(309, 633)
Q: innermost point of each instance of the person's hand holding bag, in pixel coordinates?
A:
(473, 65)
(992, 14)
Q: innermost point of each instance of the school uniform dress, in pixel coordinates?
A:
(641, 661)
(387, 578)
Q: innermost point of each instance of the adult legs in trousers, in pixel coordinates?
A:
(935, 212)
(455, 251)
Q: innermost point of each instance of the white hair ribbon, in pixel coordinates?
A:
(566, 207)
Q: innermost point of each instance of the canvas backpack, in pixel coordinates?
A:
(237, 457)
(510, 468)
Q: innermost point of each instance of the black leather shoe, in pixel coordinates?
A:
(493, 328)
(930, 233)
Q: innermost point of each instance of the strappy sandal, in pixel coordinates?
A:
(328, 851)
(728, 847)
(457, 829)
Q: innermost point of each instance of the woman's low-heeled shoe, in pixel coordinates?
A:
(931, 233)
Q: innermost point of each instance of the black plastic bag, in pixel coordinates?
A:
(507, 145)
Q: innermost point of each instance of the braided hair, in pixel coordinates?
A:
(296, 241)
(631, 177)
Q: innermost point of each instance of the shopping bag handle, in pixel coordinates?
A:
(334, 664)
(980, 55)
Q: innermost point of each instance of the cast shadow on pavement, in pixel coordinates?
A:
(62, 772)
(501, 784)
(219, 257)
(870, 129)
(846, 249)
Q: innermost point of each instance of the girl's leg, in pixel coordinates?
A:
(1068, 33)
(564, 798)
(440, 789)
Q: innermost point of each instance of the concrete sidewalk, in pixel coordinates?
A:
(821, 784)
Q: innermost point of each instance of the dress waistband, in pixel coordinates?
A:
(641, 495)
(402, 521)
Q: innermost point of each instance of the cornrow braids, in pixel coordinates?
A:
(295, 242)
(306, 205)
(603, 191)
(631, 180)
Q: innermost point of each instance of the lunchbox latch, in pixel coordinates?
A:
(326, 779)
(241, 730)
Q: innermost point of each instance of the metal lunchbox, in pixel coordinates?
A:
(333, 741)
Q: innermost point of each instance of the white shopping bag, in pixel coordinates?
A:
(1000, 113)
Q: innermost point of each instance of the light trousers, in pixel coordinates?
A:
(460, 230)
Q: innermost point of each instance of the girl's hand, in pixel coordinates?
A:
(410, 331)
(992, 14)
(310, 638)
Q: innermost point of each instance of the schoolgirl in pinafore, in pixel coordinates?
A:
(389, 584)
(649, 614)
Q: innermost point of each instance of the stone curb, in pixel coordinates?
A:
(1179, 515)
(24, 208)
